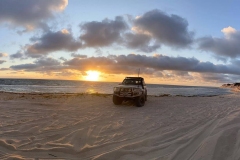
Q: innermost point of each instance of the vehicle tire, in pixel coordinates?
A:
(117, 100)
(146, 96)
(140, 101)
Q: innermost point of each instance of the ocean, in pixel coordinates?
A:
(69, 86)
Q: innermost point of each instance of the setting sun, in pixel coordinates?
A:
(92, 75)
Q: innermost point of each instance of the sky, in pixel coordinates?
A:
(191, 42)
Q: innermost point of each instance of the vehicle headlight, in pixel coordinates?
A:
(116, 89)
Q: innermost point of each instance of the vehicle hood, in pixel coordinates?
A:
(129, 86)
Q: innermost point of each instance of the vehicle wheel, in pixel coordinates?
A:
(117, 100)
(140, 101)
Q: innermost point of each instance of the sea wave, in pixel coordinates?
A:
(64, 86)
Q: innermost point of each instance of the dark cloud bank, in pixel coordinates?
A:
(52, 41)
(29, 13)
(170, 30)
(148, 32)
(157, 62)
(107, 32)
(226, 46)
(18, 55)
(128, 64)
(40, 65)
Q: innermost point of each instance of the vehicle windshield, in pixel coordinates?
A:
(132, 82)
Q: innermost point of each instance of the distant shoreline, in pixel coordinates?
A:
(233, 86)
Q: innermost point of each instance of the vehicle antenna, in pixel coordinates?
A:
(138, 71)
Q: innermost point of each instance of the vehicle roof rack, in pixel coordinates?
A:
(133, 78)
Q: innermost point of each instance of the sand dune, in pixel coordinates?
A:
(78, 126)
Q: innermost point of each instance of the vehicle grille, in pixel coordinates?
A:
(125, 92)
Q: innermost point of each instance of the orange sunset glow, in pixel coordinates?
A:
(92, 76)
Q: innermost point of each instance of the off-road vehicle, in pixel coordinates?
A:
(131, 88)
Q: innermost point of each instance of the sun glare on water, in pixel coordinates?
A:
(92, 76)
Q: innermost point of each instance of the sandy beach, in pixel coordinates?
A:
(80, 126)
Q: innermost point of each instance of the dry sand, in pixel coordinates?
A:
(80, 126)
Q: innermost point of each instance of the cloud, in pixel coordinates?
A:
(107, 32)
(63, 59)
(170, 30)
(98, 51)
(141, 42)
(228, 46)
(116, 64)
(47, 62)
(29, 13)
(217, 78)
(228, 31)
(2, 61)
(41, 65)
(162, 67)
(25, 67)
(18, 55)
(78, 55)
(145, 33)
(51, 42)
(87, 63)
(130, 63)
(3, 54)
(181, 73)
(4, 69)
(235, 62)
(157, 61)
